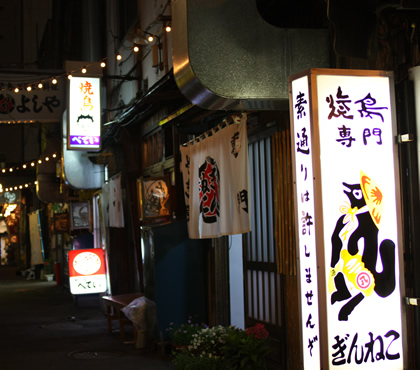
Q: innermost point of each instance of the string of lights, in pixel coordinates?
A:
(51, 81)
(18, 187)
(28, 165)
(24, 166)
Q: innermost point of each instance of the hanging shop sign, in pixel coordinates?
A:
(10, 196)
(84, 118)
(87, 271)
(44, 104)
(348, 214)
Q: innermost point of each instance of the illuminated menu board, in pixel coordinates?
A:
(84, 118)
(352, 154)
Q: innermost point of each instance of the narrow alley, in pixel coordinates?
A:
(43, 328)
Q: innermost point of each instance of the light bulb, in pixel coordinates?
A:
(20, 186)
(136, 49)
(11, 169)
(84, 70)
(28, 88)
(119, 57)
(168, 28)
(150, 38)
(54, 155)
(26, 185)
(40, 85)
(103, 64)
(47, 159)
(69, 76)
(3, 170)
(24, 166)
(16, 89)
(39, 161)
(33, 164)
(54, 81)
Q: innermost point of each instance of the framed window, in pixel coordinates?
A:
(61, 222)
(80, 215)
(154, 198)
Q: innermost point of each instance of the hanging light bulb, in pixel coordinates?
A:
(69, 76)
(103, 64)
(32, 164)
(54, 155)
(26, 185)
(11, 169)
(3, 170)
(136, 49)
(20, 186)
(54, 81)
(39, 161)
(119, 57)
(28, 88)
(168, 29)
(16, 89)
(47, 159)
(24, 165)
(40, 85)
(150, 38)
(84, 70)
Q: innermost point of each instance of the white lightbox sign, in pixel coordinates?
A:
(84, 118)
(306, 223)
(87, 271)
(360, 222)
(358, 218)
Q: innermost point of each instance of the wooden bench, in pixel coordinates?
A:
(113, 305)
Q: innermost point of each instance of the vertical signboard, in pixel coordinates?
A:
(87, 271)
(306, 222)
(84, 118)
(357, 215)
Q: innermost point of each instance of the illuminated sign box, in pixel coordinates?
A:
(348, 219)
(87, 271)
(84, 118)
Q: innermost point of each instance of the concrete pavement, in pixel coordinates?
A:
(42, 328)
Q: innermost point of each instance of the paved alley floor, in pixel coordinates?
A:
(41, 327)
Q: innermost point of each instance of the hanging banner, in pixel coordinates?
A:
(116, 215)
(84, 118)
(215, 173)
(347, 195)
(37, 248)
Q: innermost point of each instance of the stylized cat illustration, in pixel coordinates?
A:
(354, 270)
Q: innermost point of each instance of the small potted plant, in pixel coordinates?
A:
(180, 335)
(49, 270)
(246, 349)
(225, 347)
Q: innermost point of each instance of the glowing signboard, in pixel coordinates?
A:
(351, 139)
(305, 209)
(87, 271)
(84, 118)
